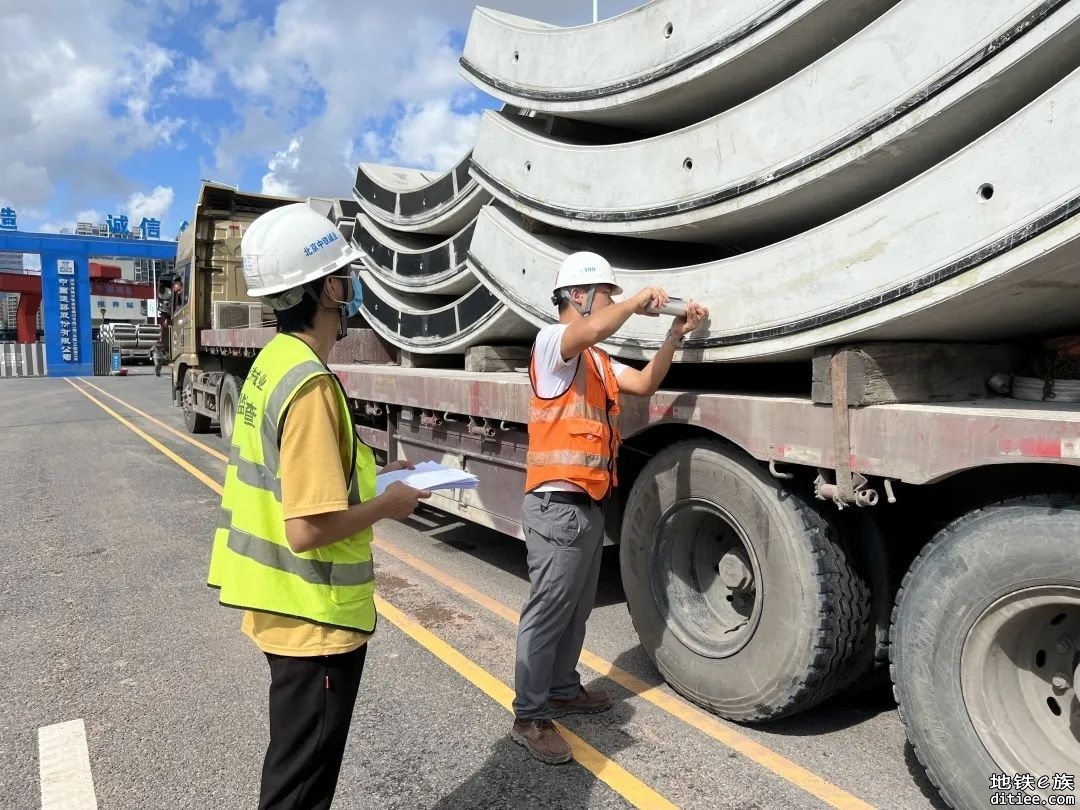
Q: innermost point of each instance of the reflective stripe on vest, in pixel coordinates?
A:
(252, 563)
(281, 558)
(575, 436)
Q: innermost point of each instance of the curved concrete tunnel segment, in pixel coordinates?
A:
(412, 264)
(435, 325)
(659, 66)
(747, 173)
(419, 201)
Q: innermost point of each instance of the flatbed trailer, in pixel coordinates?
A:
(480, 418)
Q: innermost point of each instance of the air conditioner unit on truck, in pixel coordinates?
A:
(868, 464)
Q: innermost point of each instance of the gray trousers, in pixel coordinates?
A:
(564, 544)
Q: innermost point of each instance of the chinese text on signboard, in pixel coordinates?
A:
(69, 311)
(118, 226)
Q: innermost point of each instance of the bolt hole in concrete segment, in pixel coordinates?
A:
(669, 29)
(986, 191)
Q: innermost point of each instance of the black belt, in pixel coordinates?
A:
(572, 498)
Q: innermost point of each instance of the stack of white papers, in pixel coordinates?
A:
(427, 475)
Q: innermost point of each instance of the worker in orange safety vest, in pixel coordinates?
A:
(573, 442)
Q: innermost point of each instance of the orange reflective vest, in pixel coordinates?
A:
(575, 436)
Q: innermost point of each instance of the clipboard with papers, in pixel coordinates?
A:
(427, 475)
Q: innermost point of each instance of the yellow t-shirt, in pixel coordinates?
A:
(313, 439)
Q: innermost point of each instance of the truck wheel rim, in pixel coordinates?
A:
(705, 578)
(1020, 670)
(187, 395)
(228, 411)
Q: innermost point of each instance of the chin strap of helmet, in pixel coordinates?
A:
(342, 309)
(584, 309)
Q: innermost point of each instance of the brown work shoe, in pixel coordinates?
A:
(584, 703)
(542, 740)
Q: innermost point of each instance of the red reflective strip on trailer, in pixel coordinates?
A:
(1032, 447)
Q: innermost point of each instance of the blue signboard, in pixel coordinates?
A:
(65, 292)
(8, 219)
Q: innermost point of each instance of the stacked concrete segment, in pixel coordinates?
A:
(915, 85)
(660, 64)
(417, 201)
(411, 264)
(983, 246)
(419, 293)
(912, 180)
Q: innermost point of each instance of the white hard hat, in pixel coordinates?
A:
(584, 269)
(288, 247)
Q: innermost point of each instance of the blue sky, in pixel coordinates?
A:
(122, 106)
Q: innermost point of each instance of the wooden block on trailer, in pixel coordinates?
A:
(363, 346)
(496, 358)
(415, 360)
(883, 373)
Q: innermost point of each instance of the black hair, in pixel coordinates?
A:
(298, 318)
(301, 317)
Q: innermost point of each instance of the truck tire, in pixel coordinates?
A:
(867, 550)
(227, 399)
(196, 422)
(740, 591)
(985, 647)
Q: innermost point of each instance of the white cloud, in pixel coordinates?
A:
(282, 164)
(154, 205)
(91, 216)
(24, 185)
(79, 97)
(198, 79)
(230, 10)
(434, 135)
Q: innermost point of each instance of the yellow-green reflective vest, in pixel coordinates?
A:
(251, 563)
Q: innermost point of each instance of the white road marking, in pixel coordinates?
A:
(66, 781)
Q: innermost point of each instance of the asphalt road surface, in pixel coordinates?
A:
(126, 682)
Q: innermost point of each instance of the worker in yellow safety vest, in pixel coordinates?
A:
(570, 473)
(293, 544)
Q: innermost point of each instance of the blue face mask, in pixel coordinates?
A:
(357, 296)
(352, 306)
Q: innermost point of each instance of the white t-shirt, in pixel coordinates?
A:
(553, 376)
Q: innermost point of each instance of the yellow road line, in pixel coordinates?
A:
(214, 485)
(172, 430)
(615, 776)
(702, 721)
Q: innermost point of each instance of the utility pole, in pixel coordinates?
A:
(595, 3)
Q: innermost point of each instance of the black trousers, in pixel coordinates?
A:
(311, 706)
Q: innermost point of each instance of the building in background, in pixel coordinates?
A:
(9, 307)
(11, 262)
(148, 270)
